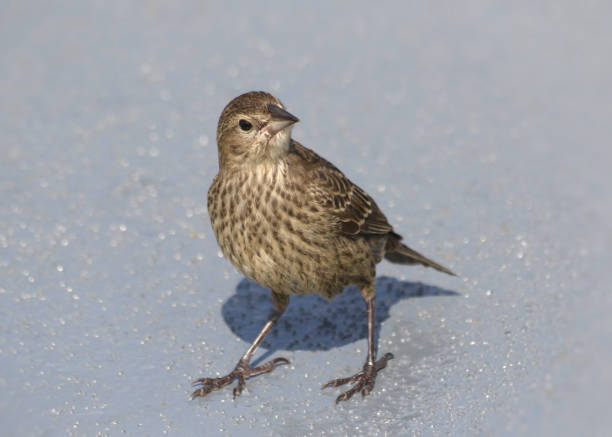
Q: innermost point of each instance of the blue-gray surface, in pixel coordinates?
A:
(482, 129)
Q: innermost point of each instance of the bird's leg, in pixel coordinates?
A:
(242, 369)
(364, 380)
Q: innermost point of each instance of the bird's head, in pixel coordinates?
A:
(254, 127)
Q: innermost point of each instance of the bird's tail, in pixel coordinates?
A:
(397, 252)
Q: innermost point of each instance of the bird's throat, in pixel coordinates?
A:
(278, 145)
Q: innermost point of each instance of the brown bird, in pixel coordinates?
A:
(291, 221)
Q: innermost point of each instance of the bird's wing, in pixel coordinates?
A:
(355, 210)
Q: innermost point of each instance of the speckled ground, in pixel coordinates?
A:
(482, 129)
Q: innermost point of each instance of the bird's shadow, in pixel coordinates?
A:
(311, 322)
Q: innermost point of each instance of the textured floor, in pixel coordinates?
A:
(483, 131)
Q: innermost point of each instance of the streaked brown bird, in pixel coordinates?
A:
(291, 221)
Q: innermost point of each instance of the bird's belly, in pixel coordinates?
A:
(272, 258)
(270, 255)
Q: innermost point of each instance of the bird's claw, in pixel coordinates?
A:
(242, 371)
(364, 380)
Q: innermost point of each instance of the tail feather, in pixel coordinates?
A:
(399, 253)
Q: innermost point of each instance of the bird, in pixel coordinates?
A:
(291, 221)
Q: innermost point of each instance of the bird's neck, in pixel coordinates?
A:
(258, 170)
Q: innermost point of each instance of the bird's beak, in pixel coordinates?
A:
(280, 119)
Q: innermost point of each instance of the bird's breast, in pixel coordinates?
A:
(268, 227)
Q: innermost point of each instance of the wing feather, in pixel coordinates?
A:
(355, 210)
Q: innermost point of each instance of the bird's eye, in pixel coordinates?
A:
(245, 125)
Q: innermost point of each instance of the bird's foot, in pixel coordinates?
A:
(364, 380)
(242, 371)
